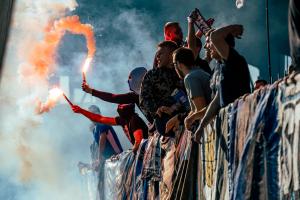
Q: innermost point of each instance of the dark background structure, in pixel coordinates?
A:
(6, 8)
(253, 16)
(253, 46)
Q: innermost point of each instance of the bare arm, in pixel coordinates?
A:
(200, 104)
(212, 110)
(218, 38)
(192, 38)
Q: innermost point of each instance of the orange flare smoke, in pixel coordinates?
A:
(53, 96)
(42, 55)
(73, 24)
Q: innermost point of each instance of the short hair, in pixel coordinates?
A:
(185, 56)
(170, 24)
(261, 81)
(172, 46)
(230, 40)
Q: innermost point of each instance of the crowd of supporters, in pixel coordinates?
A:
(182, 93)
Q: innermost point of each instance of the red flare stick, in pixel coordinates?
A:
(83, 77)
(68, 100)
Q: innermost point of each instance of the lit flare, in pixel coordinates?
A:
(53, 97)
(86, 67)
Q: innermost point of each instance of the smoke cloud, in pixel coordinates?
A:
(42, 57)
(39, 153)
(32, 161)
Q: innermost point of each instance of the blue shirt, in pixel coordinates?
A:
(112, 144)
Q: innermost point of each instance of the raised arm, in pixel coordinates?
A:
(191, 36)
(218, 38)
(95, 117)
(126, 98)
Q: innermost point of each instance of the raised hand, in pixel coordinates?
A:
(193, 16)
(76, 109)
(172, 124)
(237, 30)
(85, 87)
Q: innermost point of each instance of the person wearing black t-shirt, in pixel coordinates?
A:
(134, 127)
(231, 78)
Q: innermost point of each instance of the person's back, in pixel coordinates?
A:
(112, 144)
(134, 123)
(134, 127)
(197, 83)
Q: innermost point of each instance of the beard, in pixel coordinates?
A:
(180, 73)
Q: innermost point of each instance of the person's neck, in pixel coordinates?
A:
(186, 71)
